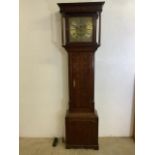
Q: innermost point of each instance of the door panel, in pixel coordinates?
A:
(81, 79)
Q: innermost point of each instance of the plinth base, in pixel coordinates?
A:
(95, 147)
(82, 130)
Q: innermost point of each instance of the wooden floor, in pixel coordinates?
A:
(108, 146)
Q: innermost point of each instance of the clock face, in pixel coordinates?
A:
(80, 29)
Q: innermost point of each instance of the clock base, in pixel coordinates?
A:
(95, 147)
(82, 130)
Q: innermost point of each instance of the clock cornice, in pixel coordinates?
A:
(83, 7)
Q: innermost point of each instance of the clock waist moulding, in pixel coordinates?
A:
(81, 29)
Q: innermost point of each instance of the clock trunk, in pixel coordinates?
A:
(81, 75)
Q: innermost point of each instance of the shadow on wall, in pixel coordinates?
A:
(132, 125)
(57, 42)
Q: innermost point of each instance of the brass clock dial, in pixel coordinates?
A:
(80, 29)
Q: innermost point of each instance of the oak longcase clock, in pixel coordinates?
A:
(81, 29)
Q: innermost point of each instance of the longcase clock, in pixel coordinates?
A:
(81, 29)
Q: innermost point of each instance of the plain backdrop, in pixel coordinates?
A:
(44, 72)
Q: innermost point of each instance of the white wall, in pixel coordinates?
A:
(43, 69)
